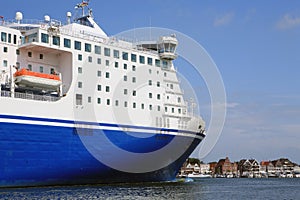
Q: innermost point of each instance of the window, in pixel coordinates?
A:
(78, 99)
(157, 63)
(116, 54)
(158, 84)
(3, 37)
(133, 93)
(89, 99)
(165, 74)
(149, 61)
(97, 49)
(158, 96)
(107, 88)
(150, 107)
(77, 45)
(134, 105)
(107, 75)
(142, 59)
(15, 39)
(41, 69)
(41, 56)
(133, 57)
(99, 61)
(125, 78)
(171, 86)
(108, 102)
(90, 59)
(125, 56)
(125, 104)
(165, 64)
(150, 95)
(116, 64)
(179, 110)
(67, 43)
(133, 68)
(179, 100)
(87, 47)
(5, 49)
(117, 103)
(5, 63)
(158, 108)
(45, 38)
(79, 57)
(79, 70)
(106, 51)
(29, 67)
(133, 79)
(18, 52)
(150, 71)
(99, 100)
(125, 91)
(29, 54)
(79, 84)
(125, 66)
(56, 40)
(150, 82)
(99, 88)
(99, 73)
(173, 110)
(9, 38)
(142, 106)
(106, 62)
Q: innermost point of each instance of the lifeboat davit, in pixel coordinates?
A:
(44, 81)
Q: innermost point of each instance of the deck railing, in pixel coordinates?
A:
(29, 96)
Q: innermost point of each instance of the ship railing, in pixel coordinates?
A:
(30, 96)
(21, 23)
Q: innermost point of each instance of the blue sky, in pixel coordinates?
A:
(255, 44)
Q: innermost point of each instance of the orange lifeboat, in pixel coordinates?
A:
(28, 78)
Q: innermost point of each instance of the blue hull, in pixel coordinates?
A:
(33, 155)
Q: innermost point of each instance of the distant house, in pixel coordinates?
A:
(212, 167)
(283, 166)
(205, 169)
(225, 167)
(248, 168)
(267, 167)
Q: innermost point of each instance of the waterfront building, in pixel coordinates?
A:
(205, 169)
(225, 167)
(249, 168)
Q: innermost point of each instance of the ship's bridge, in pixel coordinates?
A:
(167, 47)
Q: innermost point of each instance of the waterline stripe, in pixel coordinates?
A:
(94, 125)
(84, 126)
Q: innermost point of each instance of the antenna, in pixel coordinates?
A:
(82, 5)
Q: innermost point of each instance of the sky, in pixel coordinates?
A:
(255, 45)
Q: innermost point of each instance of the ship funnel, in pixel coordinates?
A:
(19, 16)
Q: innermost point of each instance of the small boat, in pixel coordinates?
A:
(196, 175)
(28, 78)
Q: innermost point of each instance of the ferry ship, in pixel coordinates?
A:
(80, 107)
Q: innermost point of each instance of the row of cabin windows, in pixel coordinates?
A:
(9, 38)
(30, 55)
(125, 103)
(107, 51)
(117, 103)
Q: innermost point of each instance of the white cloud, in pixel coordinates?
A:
(224, 19)
(288, 21)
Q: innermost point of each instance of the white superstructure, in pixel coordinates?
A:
(135, 82)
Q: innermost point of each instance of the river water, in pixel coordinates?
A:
(199, 189)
